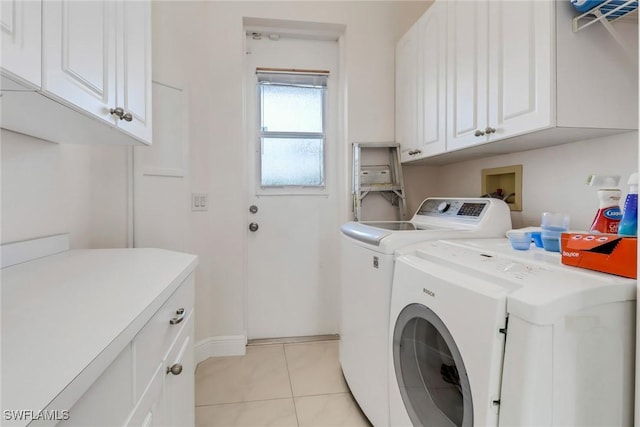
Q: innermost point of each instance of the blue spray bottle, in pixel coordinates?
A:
(629, 223)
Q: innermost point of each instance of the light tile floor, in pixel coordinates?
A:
(280, 385)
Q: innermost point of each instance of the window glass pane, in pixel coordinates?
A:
(292, 161)
(291, 109)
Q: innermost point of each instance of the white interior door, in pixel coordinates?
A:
(291, 257)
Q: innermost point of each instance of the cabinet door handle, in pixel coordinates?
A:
(478, 133)
(121, 114)
(490, 130)
(118, 112)
(175, 369)
(180, 315)
(417, 152)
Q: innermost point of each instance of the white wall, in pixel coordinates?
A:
(50, 188)
(213, 69)
(553, 178)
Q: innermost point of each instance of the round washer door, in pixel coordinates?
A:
(431, 375)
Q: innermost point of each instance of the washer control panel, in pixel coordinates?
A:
(454, 208)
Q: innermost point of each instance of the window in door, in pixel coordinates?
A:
(292, 129)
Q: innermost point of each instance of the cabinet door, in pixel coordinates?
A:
(149, 411)
(407, 93)
(520, 67)
(109, 400)
(466, 73)
(79, 55)
(179, 390)
(134, 66)
(20, 26)
(433, 46)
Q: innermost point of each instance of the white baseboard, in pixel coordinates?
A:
(235, 345)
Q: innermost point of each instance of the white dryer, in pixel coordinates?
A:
(366, 274)
(484, 335)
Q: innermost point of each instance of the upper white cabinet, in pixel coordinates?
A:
(96, 74)
(520, 67)
(499, 81)
(420, 90)
(79, 55)
(21, 26)
(134, 66)
(431, 83)
(407, 93)
(467, 73)
(518, 78)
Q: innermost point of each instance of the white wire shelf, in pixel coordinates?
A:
(607, 12)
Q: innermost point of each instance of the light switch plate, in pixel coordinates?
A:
(199, 202)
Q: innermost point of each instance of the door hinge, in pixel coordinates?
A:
(496, 402)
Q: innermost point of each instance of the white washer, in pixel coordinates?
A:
(366, 275)
(484, 335)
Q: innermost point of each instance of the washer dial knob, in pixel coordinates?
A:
(443, 207)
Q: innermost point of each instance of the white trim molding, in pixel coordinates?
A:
(235, 345)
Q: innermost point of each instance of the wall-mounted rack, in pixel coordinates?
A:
(607, 12)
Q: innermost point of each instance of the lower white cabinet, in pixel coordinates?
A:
(151, 382)
(179, 388)
(149, 411)
(168, 399)
(109, 400)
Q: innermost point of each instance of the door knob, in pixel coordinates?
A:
(253, 209)
(478, 133)
(253, 226)
(489, 130)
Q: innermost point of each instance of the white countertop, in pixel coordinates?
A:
(65, 317)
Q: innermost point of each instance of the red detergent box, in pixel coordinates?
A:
(608, 253)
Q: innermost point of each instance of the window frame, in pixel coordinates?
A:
(290, 190)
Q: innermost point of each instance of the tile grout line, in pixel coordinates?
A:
(325, 394)
(243, 401)
(293, 398)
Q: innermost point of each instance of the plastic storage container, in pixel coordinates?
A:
(553, 225)
(520, 240)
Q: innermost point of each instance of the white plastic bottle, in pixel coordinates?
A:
(609, 214)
